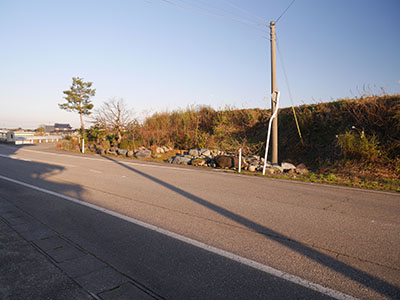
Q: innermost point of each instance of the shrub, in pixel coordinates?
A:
(359, 146)
(127, 145)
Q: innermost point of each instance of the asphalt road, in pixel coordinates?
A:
(330, 240)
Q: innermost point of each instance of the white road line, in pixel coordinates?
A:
(264, 268)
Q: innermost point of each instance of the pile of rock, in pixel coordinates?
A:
(219, 159)
(196, 157)
(141, 152)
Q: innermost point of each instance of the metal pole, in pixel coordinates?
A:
(273, 99)
(83, 145)
(274, 114)
(240, 159)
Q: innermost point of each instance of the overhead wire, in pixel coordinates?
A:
(243, 10)
(210, 13)
(284, 11)
(289, 89)
(223, 10)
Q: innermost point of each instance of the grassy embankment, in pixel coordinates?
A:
(354, 142)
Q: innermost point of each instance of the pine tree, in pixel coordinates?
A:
(78, 99)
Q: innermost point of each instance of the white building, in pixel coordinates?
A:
(26, 137)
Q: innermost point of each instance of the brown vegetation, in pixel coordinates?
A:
(355, 139)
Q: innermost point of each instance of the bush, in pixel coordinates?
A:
(127, 145)
(359, 146)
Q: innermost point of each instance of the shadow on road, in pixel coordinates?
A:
(34, 173)
(378, 285)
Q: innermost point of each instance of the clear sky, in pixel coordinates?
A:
(165, 54)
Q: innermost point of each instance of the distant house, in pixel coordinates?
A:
(58, 128)
(62, 128)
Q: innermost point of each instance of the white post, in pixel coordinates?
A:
(269, 129)
(240, 159)
(83, 145)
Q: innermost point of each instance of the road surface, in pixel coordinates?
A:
(192, 233)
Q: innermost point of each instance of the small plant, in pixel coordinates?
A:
(356, 145)
(127, 145)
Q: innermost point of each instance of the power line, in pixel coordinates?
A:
(224, 10)
(210, 13)
(243, 10)
(284, 11)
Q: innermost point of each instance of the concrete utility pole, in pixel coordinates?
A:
(274, 91)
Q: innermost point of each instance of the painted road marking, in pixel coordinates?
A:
(253, 264)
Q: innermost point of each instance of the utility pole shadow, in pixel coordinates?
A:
(378, 285)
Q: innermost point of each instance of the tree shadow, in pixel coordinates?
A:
(378, 285)
(34, 173)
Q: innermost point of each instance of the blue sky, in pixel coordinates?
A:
(160, 56)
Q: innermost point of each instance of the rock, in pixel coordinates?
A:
(287, 166)
(160, 150)
(236, 162)
(92, 147)
(112, 151)
(253, 158)
(122, 151)
(165, 148)
(181, 160)
(205, 152)
(198, 162)
(269, 171)
(223, 161)
(130, 153)
(277, 169)
(301, 169)
(100, 150)
(155, 155)
(251, 168)
(214, 152)
(193, 152)
(143, 153)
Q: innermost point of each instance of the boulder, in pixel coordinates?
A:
(236, 162)
(143, 153)
(277, 169)
(130, 153)
(251, 168)
(112, 151)
(198, 162)
(269, 170)
(193, 152)
(287, 166)
(100, 150)
(122, 152)
(224, 161)
(165, 148)
(205, 152)
(214, 152)
(301, 169)
(181, 160)
(160, 150)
